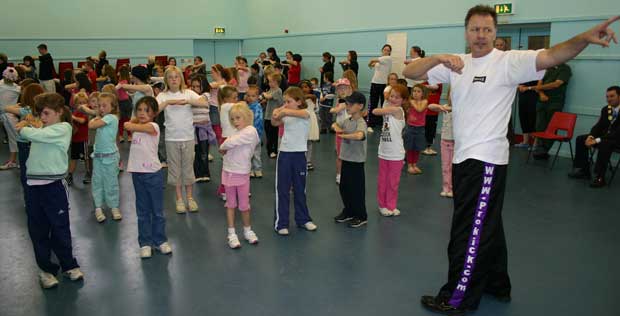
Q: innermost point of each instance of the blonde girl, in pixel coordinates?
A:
(238, 150)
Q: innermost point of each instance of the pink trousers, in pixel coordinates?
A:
(387, 183)
(447, 153)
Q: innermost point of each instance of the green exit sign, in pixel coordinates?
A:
(504, 8)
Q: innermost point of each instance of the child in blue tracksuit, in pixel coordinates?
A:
(47, 201)
(105, 158)
(251, 97)
(291, 165)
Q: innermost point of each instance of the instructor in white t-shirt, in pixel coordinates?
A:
(382, 67)
(483, 87)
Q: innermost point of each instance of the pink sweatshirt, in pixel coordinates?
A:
(239, 150)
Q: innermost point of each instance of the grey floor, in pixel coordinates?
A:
(562, 241)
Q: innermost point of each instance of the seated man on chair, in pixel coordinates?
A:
(605, 136)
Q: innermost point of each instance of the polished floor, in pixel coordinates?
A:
(562, 239)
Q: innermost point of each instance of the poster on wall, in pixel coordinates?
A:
(399, 51)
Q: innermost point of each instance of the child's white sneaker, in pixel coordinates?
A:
(385, 212)
(116, 214)
(165, 248)
(251, 237)
(193, 206)
(233, 241)
(338, 178)
(146, 252)
(310, 226)
(74, 274)
(396, 212)
(223, 196)
(283, 232)
(99, 216)
(181, 207)
(210, 157)
(47, 280)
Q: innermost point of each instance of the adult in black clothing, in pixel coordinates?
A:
(101, 61)
(46, 69)
(350, 63)
(604, 136)
(527, 110)
(328, 65)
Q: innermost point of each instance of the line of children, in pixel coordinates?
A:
(238, 150)
(291, 167)
(352, 131)
(391, 149)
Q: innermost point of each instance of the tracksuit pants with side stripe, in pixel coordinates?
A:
(47, 209)
(291, 171)
(477, 250)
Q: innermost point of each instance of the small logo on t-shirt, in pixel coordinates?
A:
(482, 79)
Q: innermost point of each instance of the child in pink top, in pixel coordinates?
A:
(238, 150)
(413, 137)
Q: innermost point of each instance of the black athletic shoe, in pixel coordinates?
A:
(356, 222)
(341, 218)
(437, 305)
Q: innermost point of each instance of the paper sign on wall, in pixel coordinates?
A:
(399, 51)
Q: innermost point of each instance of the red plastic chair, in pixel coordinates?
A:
(62, 67)
(80, 64)
(120, 62)
(560, 121)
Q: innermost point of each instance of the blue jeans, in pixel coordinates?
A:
(149, 190)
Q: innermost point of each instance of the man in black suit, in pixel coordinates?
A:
(605, 136)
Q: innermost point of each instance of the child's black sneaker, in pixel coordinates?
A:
(356, 222)
(342, 218)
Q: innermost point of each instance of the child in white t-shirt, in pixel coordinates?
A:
(147, 177)
(176, 101)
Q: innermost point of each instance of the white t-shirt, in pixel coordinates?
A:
(143, 152)
(201, 114)
(391, 145)
(9, 94)
(227, 128)
(295, 137)
(482, 99)
(382, 70)
(179, 118)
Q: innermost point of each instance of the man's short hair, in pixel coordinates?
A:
(614, 88)
(481, 10)
(42, 46)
